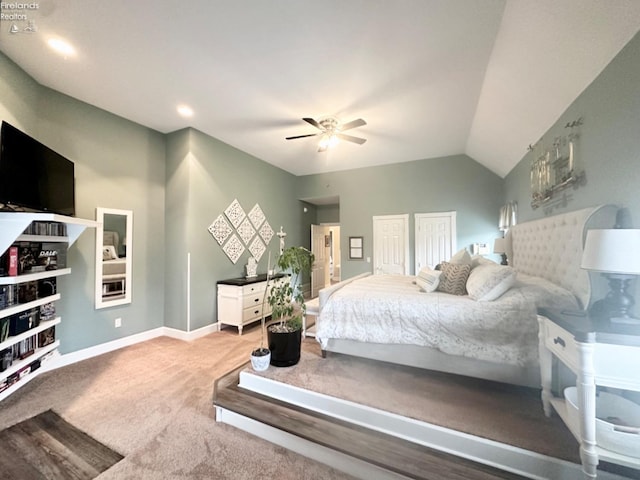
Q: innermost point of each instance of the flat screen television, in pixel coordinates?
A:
(32, 176)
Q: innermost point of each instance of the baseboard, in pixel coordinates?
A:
(193, 335)
(90, 352)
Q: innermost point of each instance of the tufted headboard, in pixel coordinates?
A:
(551, 247)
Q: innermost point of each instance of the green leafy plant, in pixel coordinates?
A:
(285, 297)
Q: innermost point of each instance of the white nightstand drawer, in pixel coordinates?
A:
(561, 343)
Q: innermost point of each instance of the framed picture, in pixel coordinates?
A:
(355, 248)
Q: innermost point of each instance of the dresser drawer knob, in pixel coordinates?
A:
(560, 341)
(256, 312)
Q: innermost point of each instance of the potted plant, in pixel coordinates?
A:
(261, 356)
(288, 307)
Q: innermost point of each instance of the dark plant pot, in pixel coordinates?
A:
(285, 348)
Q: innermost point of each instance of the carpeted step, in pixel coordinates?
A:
(385, 451)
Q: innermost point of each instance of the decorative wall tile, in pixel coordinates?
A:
(246, 231)
(220, 229)
(235, 213)
(257, 248)
(234, 248)
(256, 215)
(266, 232)
(238, 230)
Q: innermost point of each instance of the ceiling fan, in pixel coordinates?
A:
(331, 130)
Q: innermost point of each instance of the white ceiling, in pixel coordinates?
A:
(430, 77)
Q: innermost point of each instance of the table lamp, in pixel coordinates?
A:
(616, 254)
(500, 246)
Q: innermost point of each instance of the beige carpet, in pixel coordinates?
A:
(152, 403)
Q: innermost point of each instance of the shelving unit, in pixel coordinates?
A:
(12, 226)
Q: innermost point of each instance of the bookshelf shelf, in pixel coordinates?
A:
(12, 229)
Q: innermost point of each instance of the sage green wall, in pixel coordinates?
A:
(435, 185)
(204, 176)
(328, 214)
(118, 164)
(609, 144)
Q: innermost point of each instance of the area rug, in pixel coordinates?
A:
(46, 447)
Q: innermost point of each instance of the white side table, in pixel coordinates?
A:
(600, 354)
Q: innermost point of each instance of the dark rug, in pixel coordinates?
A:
(46, 447)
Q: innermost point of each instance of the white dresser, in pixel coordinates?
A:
(240, 300)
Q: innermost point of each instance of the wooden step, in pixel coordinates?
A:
(388, 452)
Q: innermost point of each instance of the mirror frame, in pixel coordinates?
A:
(100, 214)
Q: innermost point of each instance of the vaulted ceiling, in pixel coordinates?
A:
(430, 77)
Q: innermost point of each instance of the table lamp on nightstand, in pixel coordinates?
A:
(616, 254)
(500, 246)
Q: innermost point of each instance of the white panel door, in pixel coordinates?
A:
(435, 238)
(391, 244)
(320, 269)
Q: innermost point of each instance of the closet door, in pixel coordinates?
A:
(391, 244)
(435, 238)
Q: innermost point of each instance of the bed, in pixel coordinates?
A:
(392, 318)
(114, 267)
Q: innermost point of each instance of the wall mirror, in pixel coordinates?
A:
(114, 248)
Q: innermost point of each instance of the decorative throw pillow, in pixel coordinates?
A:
(453, 279)
(489, 282)
(461, 257)
(428, 279)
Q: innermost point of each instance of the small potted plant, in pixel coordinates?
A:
(261, 356)
(288, 307)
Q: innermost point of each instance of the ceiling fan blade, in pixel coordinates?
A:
(302, 136)
(312, 122)
(353, 124)
(350, 138)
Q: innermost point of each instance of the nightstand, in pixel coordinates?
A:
(600, 354)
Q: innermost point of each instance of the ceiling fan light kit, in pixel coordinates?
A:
(331, 132)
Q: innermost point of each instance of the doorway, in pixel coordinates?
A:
(325, 246)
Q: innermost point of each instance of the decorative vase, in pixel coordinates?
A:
(260, 362)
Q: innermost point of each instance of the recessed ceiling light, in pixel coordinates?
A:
(185, 110)
(61, 46)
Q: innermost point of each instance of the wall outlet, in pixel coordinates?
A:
(118, 322)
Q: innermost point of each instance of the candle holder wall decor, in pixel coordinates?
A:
(555, 168)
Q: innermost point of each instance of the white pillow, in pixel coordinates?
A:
(109, 252)
(428, 279)
(461, 257)
(478, 260)
(489, 282)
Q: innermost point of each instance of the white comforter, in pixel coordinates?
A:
(391, 309)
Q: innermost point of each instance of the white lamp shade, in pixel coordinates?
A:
(499, 245)
(614, 250)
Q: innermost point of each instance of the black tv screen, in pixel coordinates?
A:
(32, 176)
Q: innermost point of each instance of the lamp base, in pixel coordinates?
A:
(617, 303)
(504, 259)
